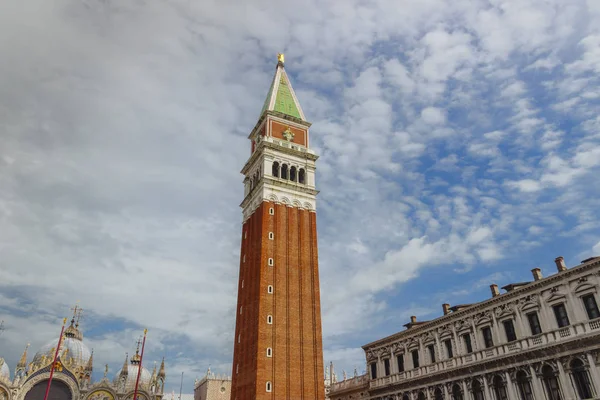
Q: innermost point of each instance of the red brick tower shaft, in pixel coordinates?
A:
(278, 350)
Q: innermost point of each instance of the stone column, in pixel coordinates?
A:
(446, 393)
(465, 389)
(565, 382)
(536, 386)
(510, 387)
(594, 375)
(486, 389)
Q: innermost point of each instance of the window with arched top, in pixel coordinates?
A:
(293, 174)
(581, 379)
(456, 392)
(301, 176)
(438, 395)
(269, 388)
(524, 386)
(551, 386)
(284, 171)
(499, 388)
(421, 396)
(275, 169)
(405, 397)
(477, 390)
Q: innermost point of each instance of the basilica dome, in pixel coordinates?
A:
(132, 371)
(72, 341)
(4, 370)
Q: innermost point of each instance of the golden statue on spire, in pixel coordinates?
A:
(280, 58)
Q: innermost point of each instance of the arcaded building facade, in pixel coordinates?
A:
(538, 340)
(278, 346)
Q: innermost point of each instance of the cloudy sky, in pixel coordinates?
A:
(459, 143)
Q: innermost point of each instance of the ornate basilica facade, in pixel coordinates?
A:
(72, 379)
(538, 341)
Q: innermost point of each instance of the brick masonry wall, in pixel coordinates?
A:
(296, 366)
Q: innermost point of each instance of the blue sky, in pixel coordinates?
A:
(459, 143)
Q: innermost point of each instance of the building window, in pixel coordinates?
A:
(456, 392)
(293, 174)
(400, 361)
(438, 395)
(237, 368)
(524, 386)
(534, 323)
(581, 379)
(244, 258)
(386, 366)
(591, 307)
(448, 344)
(271, 235)
(241, 308)
(245, 234)
(431, 349)
(270, 289)
(239, 338)
(270, 262)
(415, 357)
(373, 370)
(550, 383)
(421, 396)
(560, 312)
(269, 319)
(275, 169)
(487, 337)
(468, 344)
(405, 397)
(509, 329)
(499, 388)
(477, 390)
(242, 283)
(269, 352)
(268, 386)
(284, 171)
(271, 211)
(301, 176)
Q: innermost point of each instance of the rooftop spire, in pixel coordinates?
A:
(281, 97)
(23, 361)
(90, 363)
(161, 372)
(124, 370)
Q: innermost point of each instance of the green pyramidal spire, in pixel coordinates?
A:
(281, 97)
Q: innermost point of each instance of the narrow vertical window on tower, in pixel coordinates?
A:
(244, 258)
(275, 169)
(293, 174)
(270, 289)
(241, 309)
(242, 283)
(271, 211)
(271, 235)
(301, 176)
(245, 234)
(284, 171)
(269, 387)
(270, 262)
(269, 352)
(269, 319)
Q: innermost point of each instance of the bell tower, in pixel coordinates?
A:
(278, 348)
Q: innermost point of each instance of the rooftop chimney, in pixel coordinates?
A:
(446, 308)
(537, 274)
(560, 264)
(413, 319)
(495, 290)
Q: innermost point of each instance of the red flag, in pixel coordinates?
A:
(54, 361)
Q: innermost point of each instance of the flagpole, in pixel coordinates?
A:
(137, 380)
(54, 361)
(181, 386)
